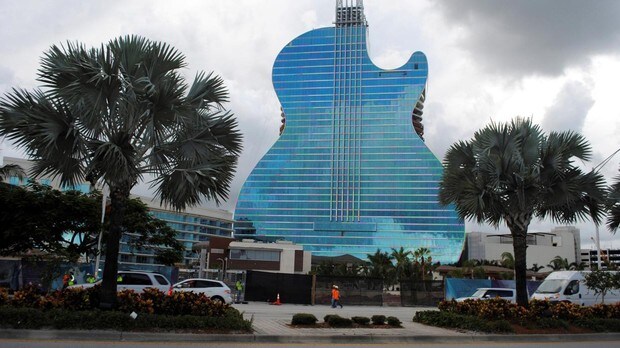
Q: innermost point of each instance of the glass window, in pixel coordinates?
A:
(572, 288)
(161, 280)
(207, 284)
(135, 279)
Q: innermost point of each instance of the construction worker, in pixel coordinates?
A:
(90, 278)
(336, 297)
(65, 280)
(239, 287)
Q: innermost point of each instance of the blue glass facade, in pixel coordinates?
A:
(349, 174)
(191, 229)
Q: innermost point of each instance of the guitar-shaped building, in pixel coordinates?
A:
(350, 172)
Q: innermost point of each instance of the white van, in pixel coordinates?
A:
(570, 286)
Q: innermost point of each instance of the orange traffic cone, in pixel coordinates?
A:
(277, 303)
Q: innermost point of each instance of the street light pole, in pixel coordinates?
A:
(221, 260)
(598, 239)
(598, 248)
(104, 200)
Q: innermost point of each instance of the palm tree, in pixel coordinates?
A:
(535, 268)
(613, 206)
(577, 266)
(118, 112)
(403, 263)
(512, 173)
(422, 259)
(9, 170)
(559, 263)
(380, 265)
(508, 261)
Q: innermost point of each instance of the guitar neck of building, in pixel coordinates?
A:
(350, 13)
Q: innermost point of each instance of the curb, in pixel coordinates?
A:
(100, 335)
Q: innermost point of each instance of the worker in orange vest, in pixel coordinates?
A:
(336, 297)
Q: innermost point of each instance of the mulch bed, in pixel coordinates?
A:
(353, 326)
(522, 330)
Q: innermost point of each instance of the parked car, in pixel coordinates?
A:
(214, 289)
(136, 281)
(489, 293)
(569, 286)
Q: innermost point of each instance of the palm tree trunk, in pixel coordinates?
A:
(118, 198)
(520, 249)
(518, 229)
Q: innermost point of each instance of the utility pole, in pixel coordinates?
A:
(598, 238)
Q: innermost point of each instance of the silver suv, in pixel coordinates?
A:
(136, 281)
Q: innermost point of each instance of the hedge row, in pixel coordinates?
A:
(151, 301)
(496, 315)
(502, 309)
(31, 318)
(464, 322)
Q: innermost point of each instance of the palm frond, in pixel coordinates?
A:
(613, 206)
(9, 170)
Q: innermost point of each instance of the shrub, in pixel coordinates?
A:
(75, 299)
(599, 325)
(30, 318)
(338, 321)
(361, 320)
(304, 319)
(567, 311)
(393, 321)
(539, 309)
(464, 322)
(604, 311)
(29, 296)
(4, 296)
(548, 323)
(378, 319)
(326, 318)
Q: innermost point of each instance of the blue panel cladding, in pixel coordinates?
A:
(349, 174)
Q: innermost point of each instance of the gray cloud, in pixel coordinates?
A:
(569, 109)
(535, 36)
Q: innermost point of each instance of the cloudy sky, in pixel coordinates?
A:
(490, 60)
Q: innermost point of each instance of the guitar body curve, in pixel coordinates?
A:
(349, 174)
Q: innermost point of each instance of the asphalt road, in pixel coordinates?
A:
(100, 344)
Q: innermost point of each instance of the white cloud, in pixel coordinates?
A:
(488, 60)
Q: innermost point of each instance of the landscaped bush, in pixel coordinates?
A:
(464, 322)
(378, 319)
(151, 301)
(361, 320)
(393, 321)
(338, 321)
(326, 318)
(540, 314)
(568, 311)
(304, 319)
(30, 318)
(4, 296)
(605, 311)
(29, 296)
(546, 323)
(491, 309)
(599, 325)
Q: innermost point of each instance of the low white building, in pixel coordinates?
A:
(542, 247)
